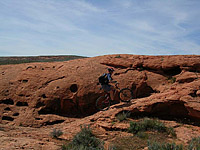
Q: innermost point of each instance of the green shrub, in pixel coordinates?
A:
(64, 147)
(164, 146)
(171, 131)
(194, 144)
(118, 56)
(153, 124)
(84, 140)
(142, 135)
(122, 116)
(56, 133)
(149, 124)
(171, 79)
(77, 147)
(134, 127)
(153, 146)
(112, 147)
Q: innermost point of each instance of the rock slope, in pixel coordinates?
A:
(37, 97)
(166, 85)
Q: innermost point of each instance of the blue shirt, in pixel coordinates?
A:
(109, 77)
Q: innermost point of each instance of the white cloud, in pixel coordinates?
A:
(93, 28)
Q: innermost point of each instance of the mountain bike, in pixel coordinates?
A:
(103, 102)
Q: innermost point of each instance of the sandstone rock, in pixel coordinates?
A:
(70, 88)
(186, 77)
(50, 95)
(198, 93)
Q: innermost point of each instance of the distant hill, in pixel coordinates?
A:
(30, 59)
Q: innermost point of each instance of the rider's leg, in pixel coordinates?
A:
(112, 92)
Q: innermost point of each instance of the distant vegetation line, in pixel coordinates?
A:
(31, 59)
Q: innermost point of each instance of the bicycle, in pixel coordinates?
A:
(103, 102)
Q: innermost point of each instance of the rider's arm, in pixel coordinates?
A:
(109, 77)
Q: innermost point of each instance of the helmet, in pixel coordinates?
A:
(110, 69)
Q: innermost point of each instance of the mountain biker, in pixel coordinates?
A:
(107, 78)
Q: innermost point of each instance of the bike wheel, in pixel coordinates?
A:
(125, 95)
(103, 103)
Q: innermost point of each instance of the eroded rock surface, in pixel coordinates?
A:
(53, 95)
(29, 91)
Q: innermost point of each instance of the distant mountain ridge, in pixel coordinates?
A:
(29, 59)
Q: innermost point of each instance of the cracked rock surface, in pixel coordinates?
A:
(40, 96)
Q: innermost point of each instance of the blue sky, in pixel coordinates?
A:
(99, 27)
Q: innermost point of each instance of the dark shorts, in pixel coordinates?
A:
(106, 87)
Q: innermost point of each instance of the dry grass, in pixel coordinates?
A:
(136, 142)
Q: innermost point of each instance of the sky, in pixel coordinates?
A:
(99, 27)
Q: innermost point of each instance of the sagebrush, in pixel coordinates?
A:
(194, 144)
(123, 116)
(164, 146)
(84, 140)
(149, 124)
(56, 133)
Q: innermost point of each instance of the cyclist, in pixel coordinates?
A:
(105, 79)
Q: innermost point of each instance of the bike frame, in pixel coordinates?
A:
(114, 92)
(106, 99)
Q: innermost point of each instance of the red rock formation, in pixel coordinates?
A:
(164, 84)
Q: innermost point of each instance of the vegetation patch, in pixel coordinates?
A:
(164, 146)
(148, 124)
(118, 56)
(31, 59)
(136, 142)
(171, 79)
(128, 143)
(84, 140)
(194, 144)
(123, 116)
(142, 135)
(56, 133)
(149, 134)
